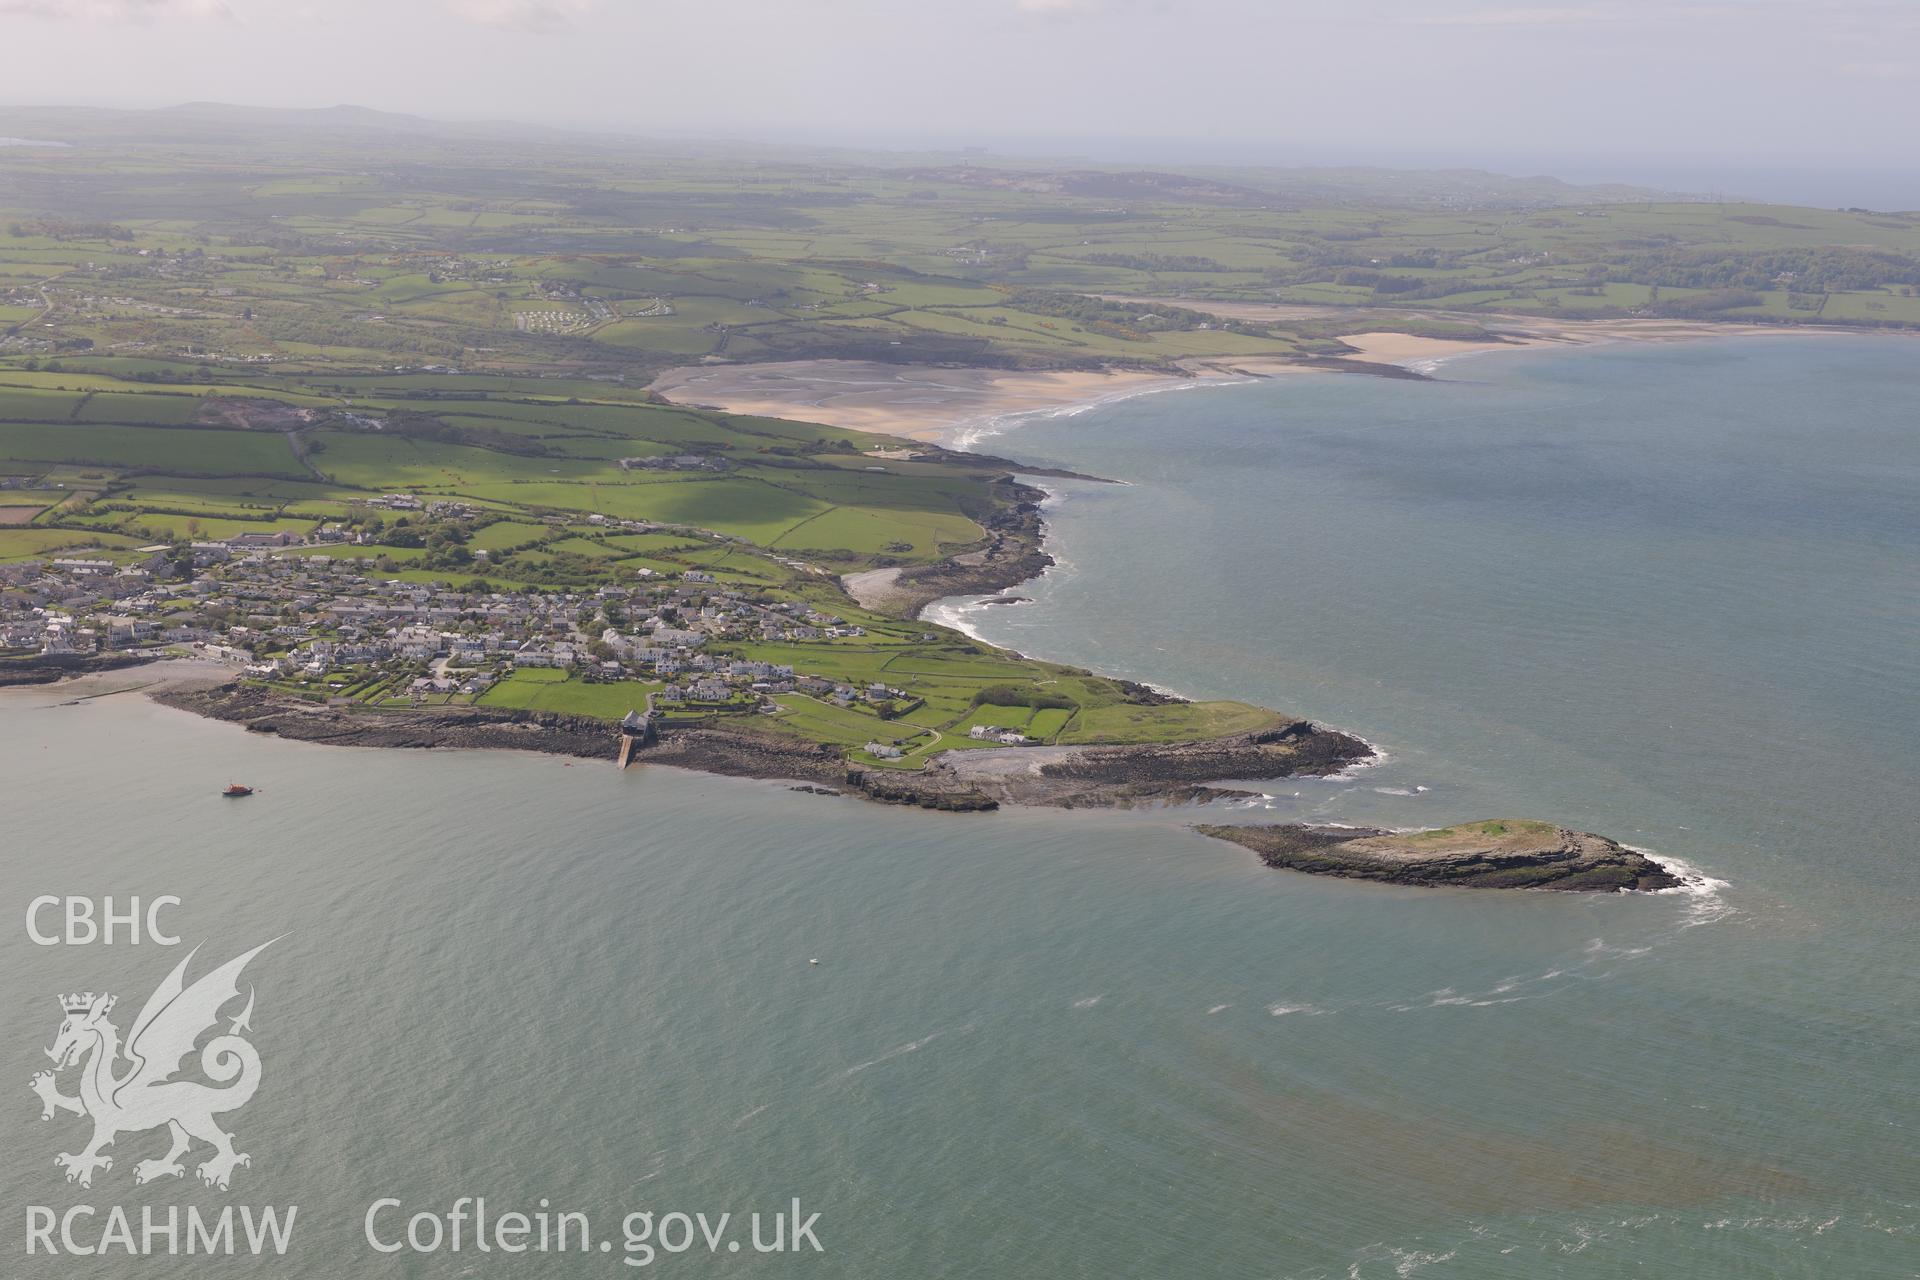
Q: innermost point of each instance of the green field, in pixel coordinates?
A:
(546, 689)
(183, 452)
(20, 544)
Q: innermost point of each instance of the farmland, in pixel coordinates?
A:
(146, 253)
(385, 485)
(421, 361)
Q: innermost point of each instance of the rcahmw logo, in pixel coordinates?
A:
(133, 1086)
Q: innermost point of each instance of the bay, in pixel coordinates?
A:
(1667, 593)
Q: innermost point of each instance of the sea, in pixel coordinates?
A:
(1670, 593)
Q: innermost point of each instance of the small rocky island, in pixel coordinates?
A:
(1505, 853)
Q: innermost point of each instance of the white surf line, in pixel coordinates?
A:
(966, 433)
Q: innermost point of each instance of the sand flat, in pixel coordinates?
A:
(938, 403)
(916, 401)
(1406, 348)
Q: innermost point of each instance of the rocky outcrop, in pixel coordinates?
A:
(1012, 555)
(480, 727)
(929, 789)
(1152, 773)
(746, 755)
(1508, 853)
(974, 461)
(46, 668)
(760, 755)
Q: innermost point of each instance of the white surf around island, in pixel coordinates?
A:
(1706, 894)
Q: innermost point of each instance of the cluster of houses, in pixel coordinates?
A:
(676, 462)
(441, 267)
(303, 616)
(70, 605)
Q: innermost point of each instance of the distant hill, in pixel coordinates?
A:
(1453, 189)
(1100, 184)
(213, 123)
(218, 123)
(1434, 188)
(344, 118)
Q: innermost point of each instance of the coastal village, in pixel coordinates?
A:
(295, 614)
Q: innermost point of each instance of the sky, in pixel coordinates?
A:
(1810, 101)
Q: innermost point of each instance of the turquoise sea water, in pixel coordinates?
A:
(1668, 593)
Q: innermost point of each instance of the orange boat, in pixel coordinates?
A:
(235, 790)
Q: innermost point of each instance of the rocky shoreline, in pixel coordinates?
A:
(1510, 854)
(1061, 777)
(960, 781)
(50, 668)
(1014, 554)
(1507, 853)
(1108, 776)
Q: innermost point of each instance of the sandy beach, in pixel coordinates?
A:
(1411, 349)
(916, 401)
(153, 677)
(930, 403)
(1506, 331)
(1516, 332)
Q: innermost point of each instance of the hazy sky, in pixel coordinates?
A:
(1815, 99)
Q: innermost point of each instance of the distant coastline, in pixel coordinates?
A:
(950, 404)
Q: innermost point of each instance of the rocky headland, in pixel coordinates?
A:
(1506, 853)
(1061, 777)
(1014, 553)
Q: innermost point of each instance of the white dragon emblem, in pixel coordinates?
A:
(145, 1095)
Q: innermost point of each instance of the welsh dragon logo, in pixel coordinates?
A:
(144, 1094)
